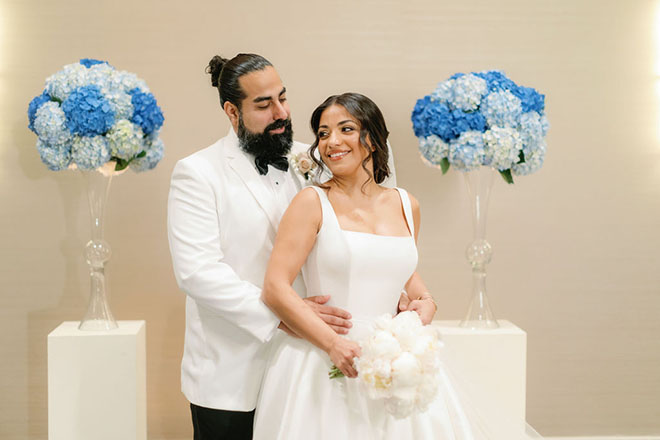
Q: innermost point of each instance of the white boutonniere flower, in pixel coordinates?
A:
(302, 164)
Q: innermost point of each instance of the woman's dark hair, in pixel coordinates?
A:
(372, 124)
(225, 74)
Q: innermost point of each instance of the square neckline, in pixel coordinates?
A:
(403, 207)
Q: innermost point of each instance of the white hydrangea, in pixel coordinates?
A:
(128, 81)
(533, 160)
(444, 92)
(89, 153)
(125, 139)
(400, 363)
(61, 84)
(468, 91)
(502, 147)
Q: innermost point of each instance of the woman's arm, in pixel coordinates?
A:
(421, 300)
(296, 236)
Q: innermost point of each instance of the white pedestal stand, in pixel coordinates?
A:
(97, 383)
(492, 360)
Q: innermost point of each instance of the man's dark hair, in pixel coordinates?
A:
(226, 73)
(372, 124)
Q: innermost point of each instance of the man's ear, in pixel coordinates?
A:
(232, 112)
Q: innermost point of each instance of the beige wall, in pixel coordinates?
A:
(575, 245)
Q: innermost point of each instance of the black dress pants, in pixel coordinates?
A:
(219, 424)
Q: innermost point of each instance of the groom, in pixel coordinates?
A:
(224, 206)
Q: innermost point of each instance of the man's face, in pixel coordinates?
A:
(264, 124)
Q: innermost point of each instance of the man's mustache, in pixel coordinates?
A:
(278, 124)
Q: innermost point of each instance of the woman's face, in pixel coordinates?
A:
(339, 142)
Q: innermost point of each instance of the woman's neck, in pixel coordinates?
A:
(355, 186)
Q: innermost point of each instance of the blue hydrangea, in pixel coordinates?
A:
(150, 160)
(485, 119)
(62, 83)
(91, 115)
(146, 112)
(433, 150)
(126, 139)
(34, 105)
(467, 93)
(503, 146)
(50, 124)
(502, 109)
(87, 111)
(467, 152)
(531, 100)
(56, 157)
(89, 62)
(497, 81)
(89, 153)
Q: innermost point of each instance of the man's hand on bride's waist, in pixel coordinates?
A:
(338, 319)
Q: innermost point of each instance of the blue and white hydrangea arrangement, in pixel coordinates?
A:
(482, 119)
(90, 114)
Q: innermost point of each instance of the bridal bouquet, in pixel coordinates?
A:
(479, 119)
(90, 114)
(399, 364)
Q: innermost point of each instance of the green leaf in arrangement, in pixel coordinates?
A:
(444, 165)
(142, 154)
(521, 157)
(506, 175)
(121, 164)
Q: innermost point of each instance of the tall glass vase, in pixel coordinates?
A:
(97, 253)
(479, 184)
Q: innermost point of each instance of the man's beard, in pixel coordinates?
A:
(265, 145)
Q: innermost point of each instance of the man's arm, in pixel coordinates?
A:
(197, 257)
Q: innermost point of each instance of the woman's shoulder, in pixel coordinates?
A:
(414, 204)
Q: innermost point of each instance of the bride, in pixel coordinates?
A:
(355, 241)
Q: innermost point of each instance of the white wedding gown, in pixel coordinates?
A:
(364, 274)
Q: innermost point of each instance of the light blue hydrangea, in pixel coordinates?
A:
(501, 109)
(89, 153)
(120, 102)
(128, 81)
(125, 139)
(34, 105)
(62, 83)
(503, 146)
(150, 160)
(433, 150)
(468, 91)
(531, 131)
(533, 161)
(444, 92)
(56, 157)
(50, 124)
(467, 152)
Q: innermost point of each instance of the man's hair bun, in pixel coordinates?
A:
(214, 68)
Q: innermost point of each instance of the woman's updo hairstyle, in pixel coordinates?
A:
(225, 74)
(372, 124)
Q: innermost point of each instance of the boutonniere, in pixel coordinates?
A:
(302, 164)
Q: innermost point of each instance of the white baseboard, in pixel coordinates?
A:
(616, 437)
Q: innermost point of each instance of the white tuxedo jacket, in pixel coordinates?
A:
(222, 221)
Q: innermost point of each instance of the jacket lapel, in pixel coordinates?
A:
(246, 170)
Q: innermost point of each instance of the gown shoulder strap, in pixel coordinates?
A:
(407, 209)
(327, 212)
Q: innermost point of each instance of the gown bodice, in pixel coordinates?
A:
(364, 273)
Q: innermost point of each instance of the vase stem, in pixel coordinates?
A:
(97, 253)
(479, 252)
